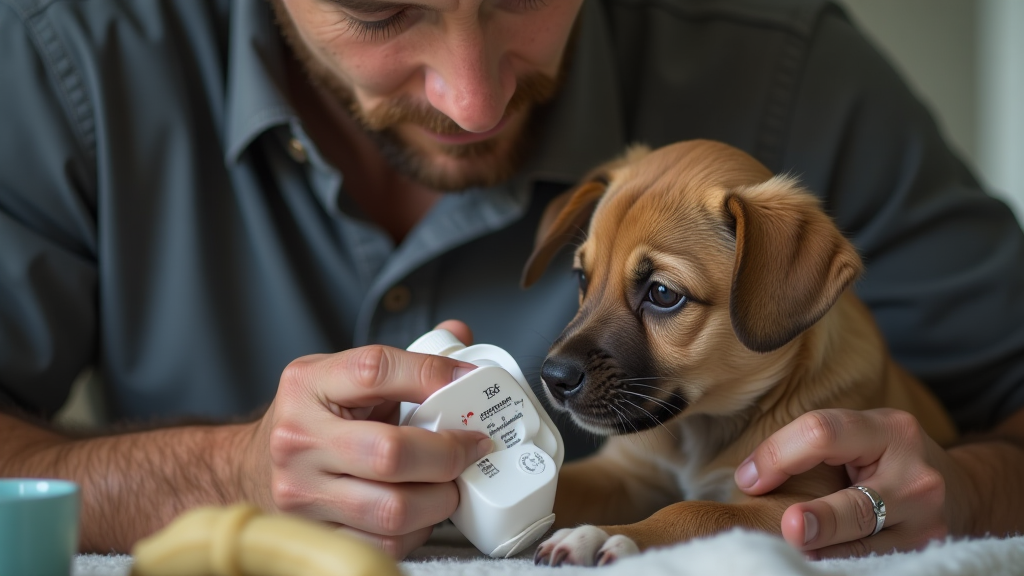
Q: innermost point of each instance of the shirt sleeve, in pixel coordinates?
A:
(944, 260)
(48, 244)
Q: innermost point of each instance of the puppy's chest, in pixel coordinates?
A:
(696, 447)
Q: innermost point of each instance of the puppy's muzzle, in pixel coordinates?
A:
(563, 378)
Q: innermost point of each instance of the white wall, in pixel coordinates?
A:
(965, 59)
(1001, 97)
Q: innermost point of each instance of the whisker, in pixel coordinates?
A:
(642, 438)
(543, 337)
(661, 402)
(622, 418)
(617, 411)
(619, 416)
(630, 382)
(651, 416)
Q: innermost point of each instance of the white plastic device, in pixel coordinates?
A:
(506, 498)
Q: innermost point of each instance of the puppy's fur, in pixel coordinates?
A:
(714, 309)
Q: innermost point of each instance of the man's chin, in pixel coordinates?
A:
(449, 168)
(446, 173)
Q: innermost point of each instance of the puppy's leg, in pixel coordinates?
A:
(690, 519)
(597, 545)
(618, 485)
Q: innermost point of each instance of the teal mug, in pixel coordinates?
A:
(38, 526)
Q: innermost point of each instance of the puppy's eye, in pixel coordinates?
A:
(663, 297)
(582, 277)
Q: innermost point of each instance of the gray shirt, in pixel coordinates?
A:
(164, 217)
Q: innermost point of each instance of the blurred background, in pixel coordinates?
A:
(965, 59)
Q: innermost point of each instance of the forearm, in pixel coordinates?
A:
(992, 465)
(133, 484)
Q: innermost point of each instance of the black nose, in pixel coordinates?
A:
(563, 377)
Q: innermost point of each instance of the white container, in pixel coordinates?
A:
(506, 498)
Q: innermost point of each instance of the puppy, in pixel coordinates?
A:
(714, 309)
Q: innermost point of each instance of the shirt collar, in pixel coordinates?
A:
(255, 99)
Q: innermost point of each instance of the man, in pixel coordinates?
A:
(221, 212)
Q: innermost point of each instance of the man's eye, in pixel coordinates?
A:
(375, 30)
(664, 297)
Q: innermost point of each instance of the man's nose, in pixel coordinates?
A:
(469, 81)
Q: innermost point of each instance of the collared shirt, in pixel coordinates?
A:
(164, 216)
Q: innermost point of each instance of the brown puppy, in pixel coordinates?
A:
(714, 309)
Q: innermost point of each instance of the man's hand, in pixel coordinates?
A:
(925, 491)
(329, 448)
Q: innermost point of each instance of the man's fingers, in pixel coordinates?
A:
(833, 437)
(459, 329)
(369, 375)
(378, 451)
(376, 507)
(398, 547)
(884, 542)
(840, 517)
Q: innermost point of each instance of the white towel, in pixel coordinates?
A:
(735, 553)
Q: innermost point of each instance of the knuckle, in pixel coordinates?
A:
(369, 366)
(435, 369)
(296, 373)
(820, 429)
(904, 425)
(859, 548)
(771, 454)
(393, 547)
(863, 512)
(930, 481)
(286, 442)
(455, 460)
(931, 486)
(393, 514)
(288, 496)
(387, 455)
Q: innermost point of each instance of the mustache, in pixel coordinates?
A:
(531, 90)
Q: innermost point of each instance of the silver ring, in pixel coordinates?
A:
(877, 505)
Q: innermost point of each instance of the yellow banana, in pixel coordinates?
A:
(240, 540)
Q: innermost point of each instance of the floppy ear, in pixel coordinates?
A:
(568, 214)
(792, 263)
(562, 220)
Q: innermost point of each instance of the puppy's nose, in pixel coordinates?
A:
(563, 377)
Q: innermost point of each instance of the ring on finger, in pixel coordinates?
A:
(877, 506)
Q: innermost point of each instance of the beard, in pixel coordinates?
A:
(443, 167)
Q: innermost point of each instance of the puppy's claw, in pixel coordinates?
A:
(577, 546)
(616, 547)
(558, 557)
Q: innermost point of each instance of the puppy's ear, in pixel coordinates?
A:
(562, 220)
(568, 214)
(792, 263)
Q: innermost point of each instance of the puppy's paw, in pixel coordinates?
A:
(584, 546)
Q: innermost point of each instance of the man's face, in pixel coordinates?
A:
(445, 87)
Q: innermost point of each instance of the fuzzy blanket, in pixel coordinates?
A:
(735, 553)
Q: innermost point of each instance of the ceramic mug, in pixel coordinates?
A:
(38, 526)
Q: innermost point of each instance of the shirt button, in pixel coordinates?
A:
(397, 299)
(297, 150)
